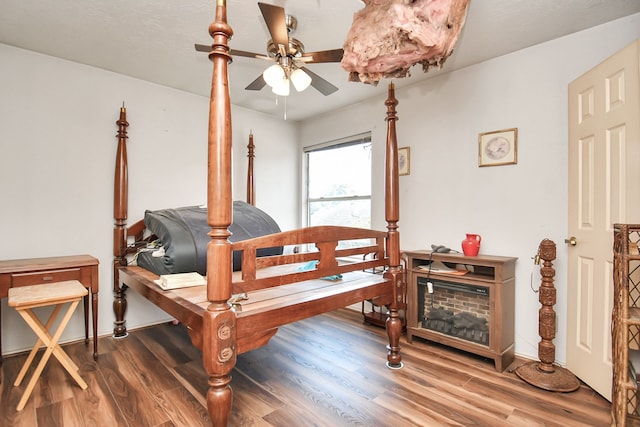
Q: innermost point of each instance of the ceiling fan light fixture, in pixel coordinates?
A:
(282, 88)
(287, 55)
(274, 75)
(300, 79)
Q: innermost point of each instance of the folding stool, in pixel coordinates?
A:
(24, 299)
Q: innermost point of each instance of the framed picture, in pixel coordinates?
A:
(404, 161)
(499, 147)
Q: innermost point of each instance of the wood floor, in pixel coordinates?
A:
(325, 371)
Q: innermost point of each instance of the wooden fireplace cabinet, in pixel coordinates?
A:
(494, 273)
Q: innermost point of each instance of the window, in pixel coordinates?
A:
(339, 183)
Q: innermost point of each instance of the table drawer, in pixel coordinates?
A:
(43, 277)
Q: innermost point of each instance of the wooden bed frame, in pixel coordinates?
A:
(238, 312)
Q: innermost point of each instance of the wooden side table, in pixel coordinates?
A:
(38, 271)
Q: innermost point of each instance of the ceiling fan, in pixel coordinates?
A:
(289, 57)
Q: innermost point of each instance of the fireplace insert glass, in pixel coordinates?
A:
(456, 309)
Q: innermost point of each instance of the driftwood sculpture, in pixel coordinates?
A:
(388, 37)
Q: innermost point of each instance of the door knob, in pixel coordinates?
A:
(571, 240)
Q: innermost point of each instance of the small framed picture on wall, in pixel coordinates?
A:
(404, 161)
(497, 148)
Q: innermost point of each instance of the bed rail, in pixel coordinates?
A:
(334, 251)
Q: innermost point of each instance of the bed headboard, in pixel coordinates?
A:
(122, 233)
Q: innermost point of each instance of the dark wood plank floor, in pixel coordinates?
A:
(325, 371)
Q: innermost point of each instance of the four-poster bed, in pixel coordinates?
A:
(239, 311)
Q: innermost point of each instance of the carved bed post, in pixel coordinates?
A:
(392, 208)
(120, 208)
(251, 187)
(219, 322)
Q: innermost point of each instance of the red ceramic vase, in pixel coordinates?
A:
(471, 245)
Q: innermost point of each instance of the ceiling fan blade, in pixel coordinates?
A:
(323, 86)
(246, 54)
(334, 55)
(203, 48)
(257, 84)
(235, 52)
(274, 17)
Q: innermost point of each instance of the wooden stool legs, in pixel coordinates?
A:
(36, 346)
(25, 309)
(52, 347)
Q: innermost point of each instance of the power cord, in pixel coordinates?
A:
(429, 284)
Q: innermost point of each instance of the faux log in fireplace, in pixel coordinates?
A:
(456, 309)
(463, 302)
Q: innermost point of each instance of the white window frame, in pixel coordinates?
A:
(362, 138)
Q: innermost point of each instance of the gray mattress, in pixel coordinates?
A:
(183, 234)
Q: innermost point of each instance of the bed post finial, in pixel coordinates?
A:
(219, 322)
(392, 201)
(251, 186)
(120, 212)
(391, 177)
(121, 197)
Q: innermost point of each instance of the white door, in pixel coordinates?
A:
(604, 188)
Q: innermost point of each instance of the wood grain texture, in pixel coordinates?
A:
(325, 371)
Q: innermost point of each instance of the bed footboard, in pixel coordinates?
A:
(341, 266)
(330, 252)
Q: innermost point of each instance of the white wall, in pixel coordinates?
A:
(57, 155)
(447, 195)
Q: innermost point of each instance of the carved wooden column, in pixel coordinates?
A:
(545, 374)
(392, 208)
(120, 208)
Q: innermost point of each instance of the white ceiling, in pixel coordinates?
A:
(153, 39)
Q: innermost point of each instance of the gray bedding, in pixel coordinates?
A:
(182, 232)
